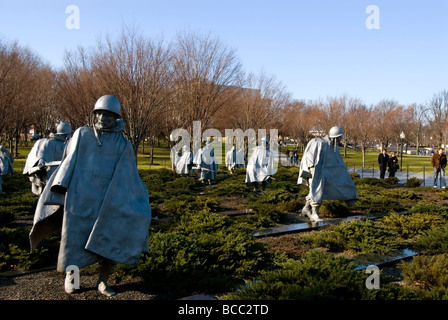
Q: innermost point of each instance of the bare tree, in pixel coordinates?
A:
(361, 118)
(206, 75)
(260, 105)
(385, 120)
(299, 120)
(76, 89)
(137, 71)
(43, 107)
(437, 116)
(415, 123)
(18, 75)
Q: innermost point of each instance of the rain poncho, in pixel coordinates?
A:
(6, 161)
(184, 161)
(234, 159)
(261, 165)
(106, 209)
(45, 151)
(206, 162)
(324, 172)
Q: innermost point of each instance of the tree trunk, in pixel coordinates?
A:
(151, 152)
(363, 150)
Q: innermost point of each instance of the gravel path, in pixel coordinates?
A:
(49, 285)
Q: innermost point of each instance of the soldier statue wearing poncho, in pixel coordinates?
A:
(324, 172)
(261, 166)
(184, 161)
(98, 199)
(6, 161)
(234, 159)
(206, 163)
(45, 156)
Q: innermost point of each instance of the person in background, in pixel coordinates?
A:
(383, 162)
(439, 162)
(393, 164)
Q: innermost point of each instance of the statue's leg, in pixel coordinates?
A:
(68, 284)
(306, 210)
(255, 185)
(315, 212)
(105, 268)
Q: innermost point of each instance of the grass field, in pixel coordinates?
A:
(410, 162)
(353, 159)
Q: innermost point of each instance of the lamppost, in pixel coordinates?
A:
(402, 136)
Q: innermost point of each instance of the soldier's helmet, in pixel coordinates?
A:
(335, 132)
(108, 103)
(63, 128)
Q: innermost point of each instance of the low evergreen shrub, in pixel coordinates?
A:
(401, 194)
(372, 182)
(434, 241)
(430, 207)
(391, 180)
(318, 275)
(187, 203)
(371, 203)
(15, 247)
(358, 237)
(201, 252)
(231, 188)
(408, 226)
(426, 271)
(334, 208)
(413, 182)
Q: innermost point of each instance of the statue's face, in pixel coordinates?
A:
(105, 119)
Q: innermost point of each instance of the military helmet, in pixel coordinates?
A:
(335, 132)
(63, 128)
(108, 103)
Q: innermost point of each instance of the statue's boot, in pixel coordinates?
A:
(105, 268)
(306, 210)
(69, 283)
(314, 217)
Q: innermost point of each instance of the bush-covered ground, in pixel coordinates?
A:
(195, 247)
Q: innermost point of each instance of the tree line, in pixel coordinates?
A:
(164, 86)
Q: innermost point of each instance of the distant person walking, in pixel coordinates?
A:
(439, 162)
(393, 164)
(383, 161)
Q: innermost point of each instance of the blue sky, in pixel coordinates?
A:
(315, 48)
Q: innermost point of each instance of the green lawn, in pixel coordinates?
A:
(353, 159)
(410, 162)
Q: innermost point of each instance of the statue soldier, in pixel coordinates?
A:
(206, 163)
(101, 200)
(184, 161)
(324, 172)
(6, 161)
(234, 159)
(45, 156)
(261, 166)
